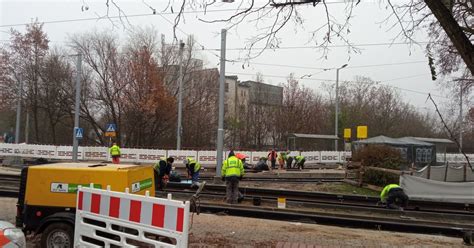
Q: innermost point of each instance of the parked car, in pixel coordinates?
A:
(10, 236)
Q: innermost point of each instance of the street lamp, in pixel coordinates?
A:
(337, 106)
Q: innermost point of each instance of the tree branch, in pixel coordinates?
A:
(451, 135)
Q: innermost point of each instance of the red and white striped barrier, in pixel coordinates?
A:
(105, 218)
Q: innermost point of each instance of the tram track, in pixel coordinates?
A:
(443, 222)
(325, 208)
(331, 198)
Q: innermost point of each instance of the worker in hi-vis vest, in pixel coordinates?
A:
(394, 196)
(114, 151)
(193, 167)
(232, 172)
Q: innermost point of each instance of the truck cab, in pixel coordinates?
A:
(47, 198)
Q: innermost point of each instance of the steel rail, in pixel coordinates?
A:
(334, 198)
(16, 178)
(315, 203)
(305, 195)
(284, 179)
(345, 221)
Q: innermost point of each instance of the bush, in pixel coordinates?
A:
(379, 156)
(379, 178)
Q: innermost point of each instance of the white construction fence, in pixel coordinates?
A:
(152, 155)
(106, 218)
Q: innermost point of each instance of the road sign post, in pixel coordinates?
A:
(110, 131)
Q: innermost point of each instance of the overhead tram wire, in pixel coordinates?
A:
(205, 11)
(214, 49)
(116, 17)
(162, 15)
(328, 46)
(332, 80)
(328, 68)
(151, 14)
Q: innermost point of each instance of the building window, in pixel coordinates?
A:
(226, 87)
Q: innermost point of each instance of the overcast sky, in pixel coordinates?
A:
(400, 65)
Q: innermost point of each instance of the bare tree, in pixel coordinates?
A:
(101, 56)
(55, 102)
(303, 111)
(381, 108)
(27, 55)
(454, 17)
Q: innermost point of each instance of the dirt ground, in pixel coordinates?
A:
(210, 230)
(330, 187)
(228, 231)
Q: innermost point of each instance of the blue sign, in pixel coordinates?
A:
(79, 132)
(111, 127)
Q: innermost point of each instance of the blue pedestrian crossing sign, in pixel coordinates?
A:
(110, 130)
(111, 127)
(79, 132)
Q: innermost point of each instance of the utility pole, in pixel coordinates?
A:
(336, 119)
(18, 110)
(179, 130)
(27, 126)
(75, 141)
(461, 126)
(460, 119)
(220, 129)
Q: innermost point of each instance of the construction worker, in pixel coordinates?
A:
(281, 159)
(193, 168)
(272, 156)
(394, 197)
(162, 170)
(114, 151)
(261, 165)
(289, 161)
(232, 171)
(299, 162)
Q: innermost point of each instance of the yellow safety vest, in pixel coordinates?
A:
(384, 193)
(197, 166)
(114, 150)
(233, 167)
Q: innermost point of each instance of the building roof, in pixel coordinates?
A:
(313, 136)
(404, 141)
(244, 84)
(413, 141)
(434, 140)
(250, 82)
(381, 140)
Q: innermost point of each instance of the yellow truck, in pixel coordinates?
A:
(47, 198)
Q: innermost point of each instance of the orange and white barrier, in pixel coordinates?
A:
(105, 218)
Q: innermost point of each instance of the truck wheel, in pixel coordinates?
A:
(58, 235)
